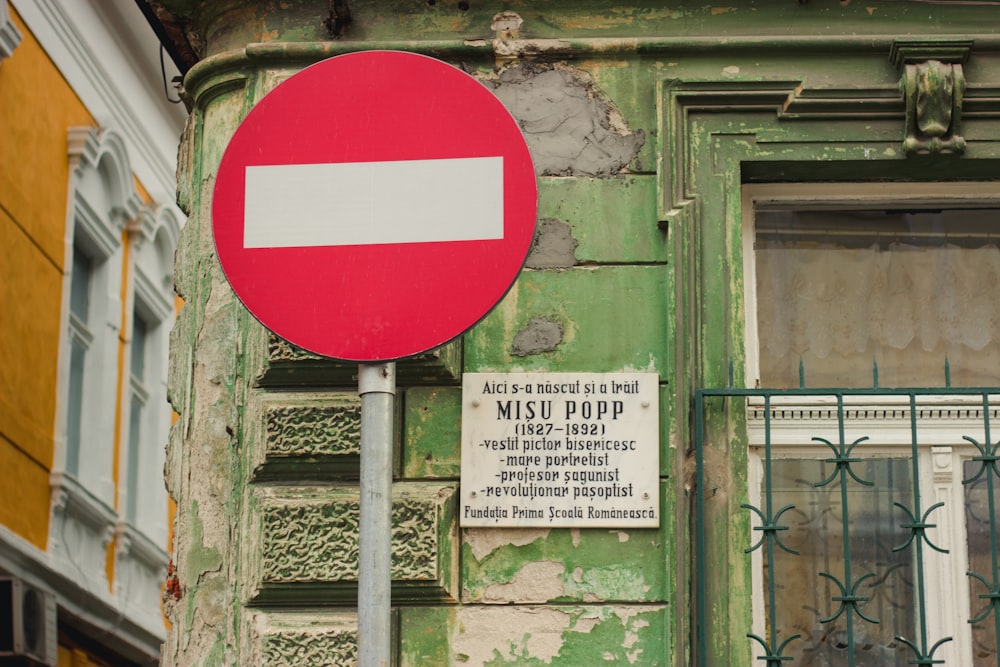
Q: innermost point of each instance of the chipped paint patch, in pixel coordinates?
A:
(535, 582)
(507, 25)
(553, 247)
(510, 635)
(648, 368)
(731, 71)
(632, 627)
(571, 128)
(716, 11)
(560, 637)
(613, 582)
(622, 535)
(484, 541)
(539, 335)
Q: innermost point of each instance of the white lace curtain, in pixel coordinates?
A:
(904, 306)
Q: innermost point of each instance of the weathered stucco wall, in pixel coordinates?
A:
(639, 118)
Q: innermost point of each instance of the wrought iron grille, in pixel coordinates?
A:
(843, 523)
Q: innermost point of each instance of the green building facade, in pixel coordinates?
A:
(749, 200)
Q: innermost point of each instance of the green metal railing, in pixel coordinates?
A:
(843, 479)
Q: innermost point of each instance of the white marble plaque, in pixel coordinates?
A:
(560, 449)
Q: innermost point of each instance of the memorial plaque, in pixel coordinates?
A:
(560, 449)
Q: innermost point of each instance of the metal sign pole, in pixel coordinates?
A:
(377, 388)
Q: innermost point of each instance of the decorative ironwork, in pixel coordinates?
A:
(988, 459)
(900, 588)
(769, 535)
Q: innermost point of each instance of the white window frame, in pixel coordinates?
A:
(945, 421)
(141, 556)
(102, 198)
(151, 299)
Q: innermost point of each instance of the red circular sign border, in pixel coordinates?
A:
(381, 302)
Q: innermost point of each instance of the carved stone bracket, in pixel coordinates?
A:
(933, 84)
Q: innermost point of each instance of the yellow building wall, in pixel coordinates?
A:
(37, 107)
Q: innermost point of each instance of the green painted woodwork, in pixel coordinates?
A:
(231, 24)
(726, 94)
(726, 136)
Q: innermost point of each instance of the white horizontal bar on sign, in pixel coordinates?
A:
(373, 203)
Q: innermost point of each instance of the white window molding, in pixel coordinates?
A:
(154, 237)
(105, 213)
(102, 197)
(10, 36)
(82, 530)
(89, 603)
(141, 532)
(140, 568)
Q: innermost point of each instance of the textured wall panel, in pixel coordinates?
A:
(297, 639)
(304, 435)
(304, 544)
(281, 364)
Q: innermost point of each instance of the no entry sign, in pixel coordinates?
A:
(374, 206)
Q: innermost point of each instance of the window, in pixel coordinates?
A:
(843, 294)
(118, 305)
(146, 419)
(138, 397)
(102, 198)
(81, 338)
(870, 505)
(92, 321)
(141, 531)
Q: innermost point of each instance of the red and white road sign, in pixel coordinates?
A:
(374, 206)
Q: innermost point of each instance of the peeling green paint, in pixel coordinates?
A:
(432, 444)
(593, 564)
(592, 304)
(613, 582)
(725, 95)
(582, 643)
(199, 560)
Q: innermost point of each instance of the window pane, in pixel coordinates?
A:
(806, 584)
(74, 408)
(982, 554)
(138, 361)
(136, 409)
(79, 294)
(134, 447)
(844, 291)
